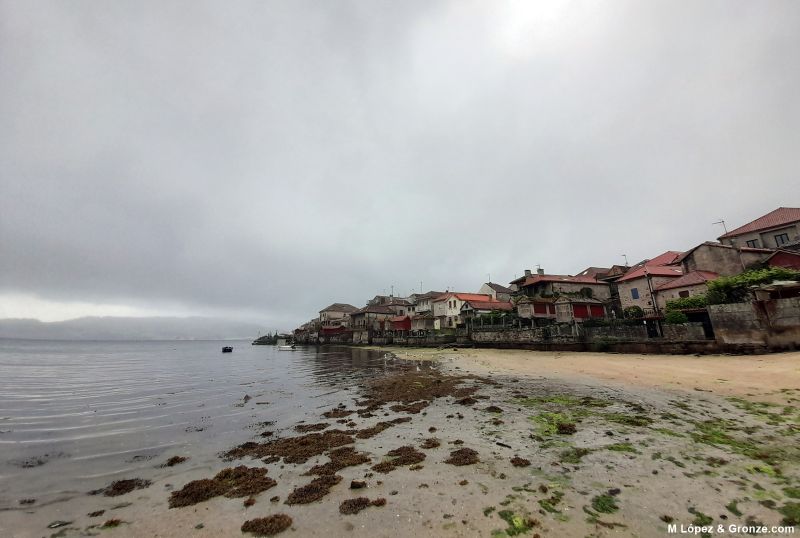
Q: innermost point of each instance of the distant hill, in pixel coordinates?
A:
(121, 328)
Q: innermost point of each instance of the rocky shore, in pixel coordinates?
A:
(462, 444)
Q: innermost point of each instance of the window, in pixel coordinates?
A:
(781, 239)
(634, 293)
(684, 293)
(753, 243)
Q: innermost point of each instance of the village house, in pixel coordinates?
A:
(447, 308)
(537, 309)
(424, 302)
(578, 309)
(788, 259)
(369, 321)
(496, 291)
(688, 285)
(336, 315)
(401, 307)
(637, 286)
(544, 285)
(473, 309)
(724, 260)
(777, 229)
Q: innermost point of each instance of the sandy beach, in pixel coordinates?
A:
(474, 442)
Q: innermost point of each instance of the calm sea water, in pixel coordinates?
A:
(75, 416)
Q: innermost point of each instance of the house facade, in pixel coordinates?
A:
(776, 229)
(447, 308)
(544, 285)
(722, 259)
(688, 285)
(472, 309)
(336, 315)
(368, 322)
(578, 309)
(637, 286)
(534, 308)
(496, 291)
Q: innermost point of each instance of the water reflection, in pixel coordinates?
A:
(75, 415)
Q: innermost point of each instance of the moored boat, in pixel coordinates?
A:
(227, 349)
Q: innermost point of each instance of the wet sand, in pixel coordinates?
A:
(566, 445)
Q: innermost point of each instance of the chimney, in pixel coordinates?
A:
(527, 272)
(540, 271)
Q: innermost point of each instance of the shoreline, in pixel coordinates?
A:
(567, 445)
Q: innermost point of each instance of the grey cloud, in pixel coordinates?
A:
(277, 156)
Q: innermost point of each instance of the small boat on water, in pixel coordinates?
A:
(227, 349)
(286, 348)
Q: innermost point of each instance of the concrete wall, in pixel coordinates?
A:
(683, 332)
(616, 332)
(773, 323)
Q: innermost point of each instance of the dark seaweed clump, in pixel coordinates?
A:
(516, 461)
(430, 443)
(121, 487)
(372, 431)
(405, 455)
(313, 491)
(410, 387)
(354, 506)
(174, 460)
(413, 408)
(463, 456)
(267, 526)
(238, 481)
(340, 458)
(294, 449)
(305, 428)
(337, 413)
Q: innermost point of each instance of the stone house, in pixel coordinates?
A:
(496, 291)
(423, 303)
(690, 284)
(536, 308)
(578, 309)
(472, 308)
(776, 229)
(368, 322)
(544, 285)
(637, 286)
(447, 308)
(336, 315)
(722, 259)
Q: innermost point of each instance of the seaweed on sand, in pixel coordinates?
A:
(232, 482)
(516, 461)
(463, 456)
(405, 455)
(121, 487)
(314, 490)
(410, 387)
(305, 428)
(267, 526)
(430, 443)
(340, 458)
(294, 449)
(354, 506)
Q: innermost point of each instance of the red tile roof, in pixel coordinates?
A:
(339, 307)
(773, 219)
(490, 305)
(535, 279)
(652, 270)
(463, 297)
(689, 279)
(718, 245)
(498, 288)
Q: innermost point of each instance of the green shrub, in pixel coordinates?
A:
(675, 317)
(735, 289)
(633, 312)
(681, 303)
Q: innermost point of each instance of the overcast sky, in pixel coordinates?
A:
(260, 160)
